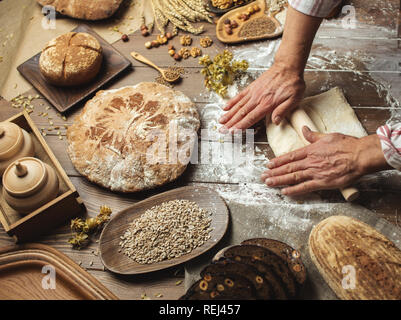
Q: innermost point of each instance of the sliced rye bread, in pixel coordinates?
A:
(224, 267)
(276, 263)
(289, 254)
(221, 287)
(276, 284)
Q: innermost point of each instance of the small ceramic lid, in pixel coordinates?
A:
(24, 177)
(11, 139)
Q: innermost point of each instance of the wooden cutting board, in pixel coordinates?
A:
(355, 260)
(109, 239)
(26, 273)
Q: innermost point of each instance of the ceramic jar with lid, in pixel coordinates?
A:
(29, 183)
(15, 143)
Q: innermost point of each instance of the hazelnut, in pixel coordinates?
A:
(234, 24)
(148, 45)
(171, 52)
(177, 57)
(239, 16)
(256, 8)
(145, 32)
(143, 27)
(171, 47)
(162, 39)
(250, 10)
(227, 21)
(124, 38)
(169, 35)
(228, 30)
(245, 16)
(155, 44)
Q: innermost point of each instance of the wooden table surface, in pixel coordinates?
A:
(377, 35)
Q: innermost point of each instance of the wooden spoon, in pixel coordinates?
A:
(168, 77)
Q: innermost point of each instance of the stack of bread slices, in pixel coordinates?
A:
(258, 269)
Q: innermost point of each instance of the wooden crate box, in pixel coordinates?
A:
(68, 204)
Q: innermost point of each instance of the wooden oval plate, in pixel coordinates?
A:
(232, 15)
(109, 239)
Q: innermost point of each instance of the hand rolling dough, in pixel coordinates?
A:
(329, 111)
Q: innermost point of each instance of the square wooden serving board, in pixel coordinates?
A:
(64, 98)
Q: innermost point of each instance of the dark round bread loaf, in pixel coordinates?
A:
(221, 287)
(276, 263)
(225, 267)
(289, 254)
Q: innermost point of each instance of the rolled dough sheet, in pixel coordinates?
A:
(329, 111)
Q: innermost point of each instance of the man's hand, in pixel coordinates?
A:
(276, 92)
(331, 161)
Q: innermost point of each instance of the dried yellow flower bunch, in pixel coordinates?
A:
(181, 14)
(83, 228)
(221, 71)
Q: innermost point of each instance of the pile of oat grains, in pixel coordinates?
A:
(167, 231)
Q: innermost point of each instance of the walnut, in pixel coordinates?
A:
(185, 53)
(206, 42)
(196, 52)
(185, 40)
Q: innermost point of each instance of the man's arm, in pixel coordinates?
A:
(331, 161)
(281, 88)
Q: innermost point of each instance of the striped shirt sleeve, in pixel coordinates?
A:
(390, 138)
(316, 8)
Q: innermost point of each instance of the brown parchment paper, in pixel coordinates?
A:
(22, 35)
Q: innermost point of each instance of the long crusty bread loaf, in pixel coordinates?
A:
(340, 245)
(71, 59)
(84, 9)
(134, 138)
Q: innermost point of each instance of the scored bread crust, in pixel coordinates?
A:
(341, 241)
(71, 59)
(110, 142)
(84, 9)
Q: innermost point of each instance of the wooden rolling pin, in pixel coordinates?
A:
(299, 119)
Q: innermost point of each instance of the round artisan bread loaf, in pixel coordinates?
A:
(84, 9)
(134, 138)
(71, 59)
